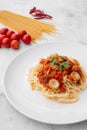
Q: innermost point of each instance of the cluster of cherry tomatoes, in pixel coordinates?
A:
(10, 39)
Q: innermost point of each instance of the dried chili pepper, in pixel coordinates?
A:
(32, 10)
(39, 14)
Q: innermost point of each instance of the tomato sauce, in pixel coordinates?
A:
(51, 72)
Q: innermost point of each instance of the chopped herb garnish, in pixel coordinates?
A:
(60, 56)
(63, 64)
(53, 61)
(60, 67)
(66, 64)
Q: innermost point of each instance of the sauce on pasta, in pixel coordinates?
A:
(59, 78)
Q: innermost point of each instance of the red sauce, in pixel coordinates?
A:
(50, 72)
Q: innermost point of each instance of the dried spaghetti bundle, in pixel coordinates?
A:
(17, 22)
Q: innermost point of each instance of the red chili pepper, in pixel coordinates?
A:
(48, 16)
(41, 17)
(32, 10)
(39, 14)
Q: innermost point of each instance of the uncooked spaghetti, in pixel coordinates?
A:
(17, 22)
(59, 78)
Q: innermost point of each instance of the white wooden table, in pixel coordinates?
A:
(70, 16)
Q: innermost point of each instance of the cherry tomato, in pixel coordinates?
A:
(3, 31)
(15, 44)
(2, 37)
(0, 44)
(26, 39)
(9, 33)
(22, 33)
(6, 42)
(15, 36)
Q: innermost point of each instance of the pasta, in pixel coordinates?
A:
(17, 22)
(59, 78)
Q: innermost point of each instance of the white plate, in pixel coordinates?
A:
(32, 103)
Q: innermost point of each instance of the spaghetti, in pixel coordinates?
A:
(17, 22)
(59, 78)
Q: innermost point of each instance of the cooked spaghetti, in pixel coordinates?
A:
(59, 78)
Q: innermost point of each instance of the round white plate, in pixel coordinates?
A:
(32, 103)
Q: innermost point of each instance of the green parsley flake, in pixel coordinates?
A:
(64, 64)
(53, 61)
(60, 56)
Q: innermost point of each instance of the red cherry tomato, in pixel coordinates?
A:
(3, 31)
(2, 37)
(15, 36)
(15, 44)
(26, 39)
(9, 33)
(22, 33)
(0, 44)
(6, 42)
